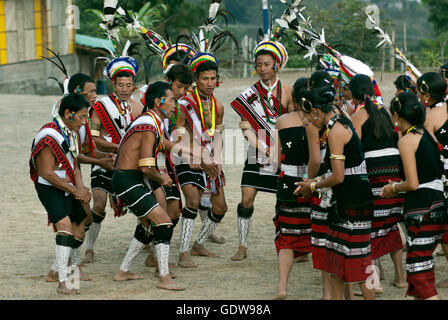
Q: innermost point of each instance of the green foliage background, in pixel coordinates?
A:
(343, 20)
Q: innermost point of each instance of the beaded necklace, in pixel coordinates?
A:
(151, 113)
(212, 128)
(277, 109)
(69, 136)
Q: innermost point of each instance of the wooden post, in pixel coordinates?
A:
(392, 55)
(245, 54)
(404, 39)
(233, 59)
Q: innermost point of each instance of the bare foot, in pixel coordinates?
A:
(185, 261)
(83, 276)
(167, 283)
(200, 250)
(52, 276)
(400, 285)
(88, 257)
(62, 288)
(150, 260)
(172, 275)
(123, 276)
(304, 258)
(216, 238)
(442, 284)
(377, 291)
(280, 296)
(240, 255)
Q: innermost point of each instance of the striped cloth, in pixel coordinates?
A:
(348, 251)
(319, 231)
(292, 219)
(387, 211)
(421, 242)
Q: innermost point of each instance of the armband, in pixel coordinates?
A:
(95, 133)
(244, 125)
(337, 157)
(147, 162)
(220, 127)
(393, 186)
(181, 130)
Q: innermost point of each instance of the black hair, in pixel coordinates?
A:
(444, 70)
(361, 87)
(78, 81)
(320, 79)
(73, 102)
(298, 88)
(407, 106)
(124, 74)
(319, 98)
(155, 90)
(403, 83)
(434, 84)
(206, 66)
(182, 73)
(179, 56)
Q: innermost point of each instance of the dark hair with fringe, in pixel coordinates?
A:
(155, 90)
(123, 74)
(73, 102)
(182, 73)
(78, 81)
(407, 106)
(361, 87)
(434, 84)
(265, 52)
(206, 66)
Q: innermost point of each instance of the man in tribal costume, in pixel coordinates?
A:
(259, 106)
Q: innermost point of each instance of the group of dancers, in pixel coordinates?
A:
(346, 168)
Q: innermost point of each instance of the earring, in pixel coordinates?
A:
(396, 127)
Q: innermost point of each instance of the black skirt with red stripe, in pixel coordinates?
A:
(319, 232)
(424, 232)
(292, 219)
(348, 252)
(387, 211)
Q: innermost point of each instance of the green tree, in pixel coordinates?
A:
(438, 14)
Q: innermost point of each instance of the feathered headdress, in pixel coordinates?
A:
(210, 37)
(156, 44)
(272, 45)
(315, 44)
(121, 61)
(412, 72)
(63, 85)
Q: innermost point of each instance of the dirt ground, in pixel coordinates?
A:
(27, 243)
